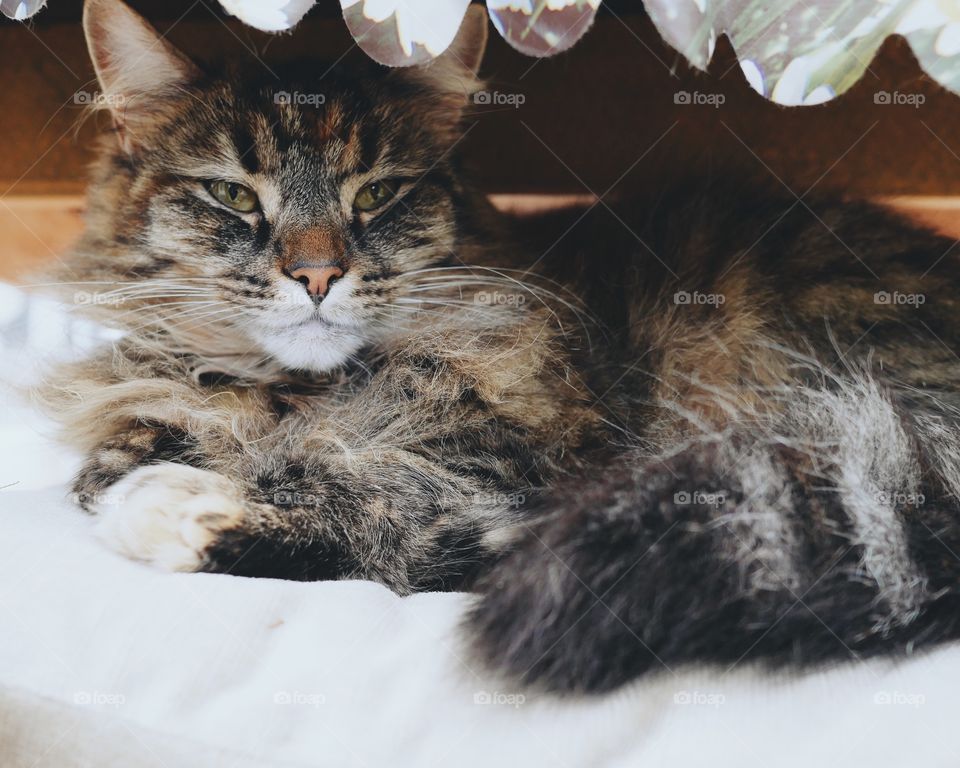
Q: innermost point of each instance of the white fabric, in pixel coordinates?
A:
(105, 663)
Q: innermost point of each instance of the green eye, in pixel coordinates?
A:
(233, 195)
(372, 196)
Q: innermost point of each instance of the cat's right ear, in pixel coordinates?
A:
(135, 65)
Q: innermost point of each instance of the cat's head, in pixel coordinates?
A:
(288, 208)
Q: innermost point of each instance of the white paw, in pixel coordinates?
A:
(167, 514)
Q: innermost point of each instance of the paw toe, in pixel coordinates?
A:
(169, 515)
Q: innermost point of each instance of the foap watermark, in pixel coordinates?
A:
(299, 99)
(83, 498)
(899, 699)
(98, 99)
(98, 699)
(299, 698)
(296, 499)
(92, 298)
(492, 298)
(485, 698)
(915, 100)
(699, 498)
(499, 99)
(900, 499)
(698, 99)
(898, 299)
(493, 499)
(699, 698)
(684, 298)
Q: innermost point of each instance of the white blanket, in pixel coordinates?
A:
(104, 662)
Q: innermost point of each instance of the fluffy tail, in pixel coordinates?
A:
(838, 539)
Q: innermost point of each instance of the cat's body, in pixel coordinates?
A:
(689, 428)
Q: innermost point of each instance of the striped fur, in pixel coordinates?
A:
(716, 446)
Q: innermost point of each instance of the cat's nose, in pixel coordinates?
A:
(317, 279)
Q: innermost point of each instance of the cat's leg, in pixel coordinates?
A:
(154, 438)
(394, 518)
(151, 498)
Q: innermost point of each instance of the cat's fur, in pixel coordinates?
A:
(631, 479)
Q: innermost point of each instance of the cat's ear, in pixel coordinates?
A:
(451, 79)
(455, 71)
(467, 49)
(135, 65)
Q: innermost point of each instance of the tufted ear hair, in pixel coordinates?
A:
(455, 70)
(468, 47)
(135, 65)
(450, 81)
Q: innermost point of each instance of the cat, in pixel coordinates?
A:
(709, 424)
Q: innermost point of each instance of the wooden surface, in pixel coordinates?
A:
(35, 229)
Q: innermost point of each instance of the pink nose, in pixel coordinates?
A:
(317, 280)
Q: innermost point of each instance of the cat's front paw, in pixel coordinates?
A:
(168, 515)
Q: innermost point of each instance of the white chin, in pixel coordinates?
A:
(310, 347)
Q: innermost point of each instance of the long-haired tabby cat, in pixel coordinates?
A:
(724, 427)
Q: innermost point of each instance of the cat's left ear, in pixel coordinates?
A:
(454, 72)
(135, 65)
(466, 51)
